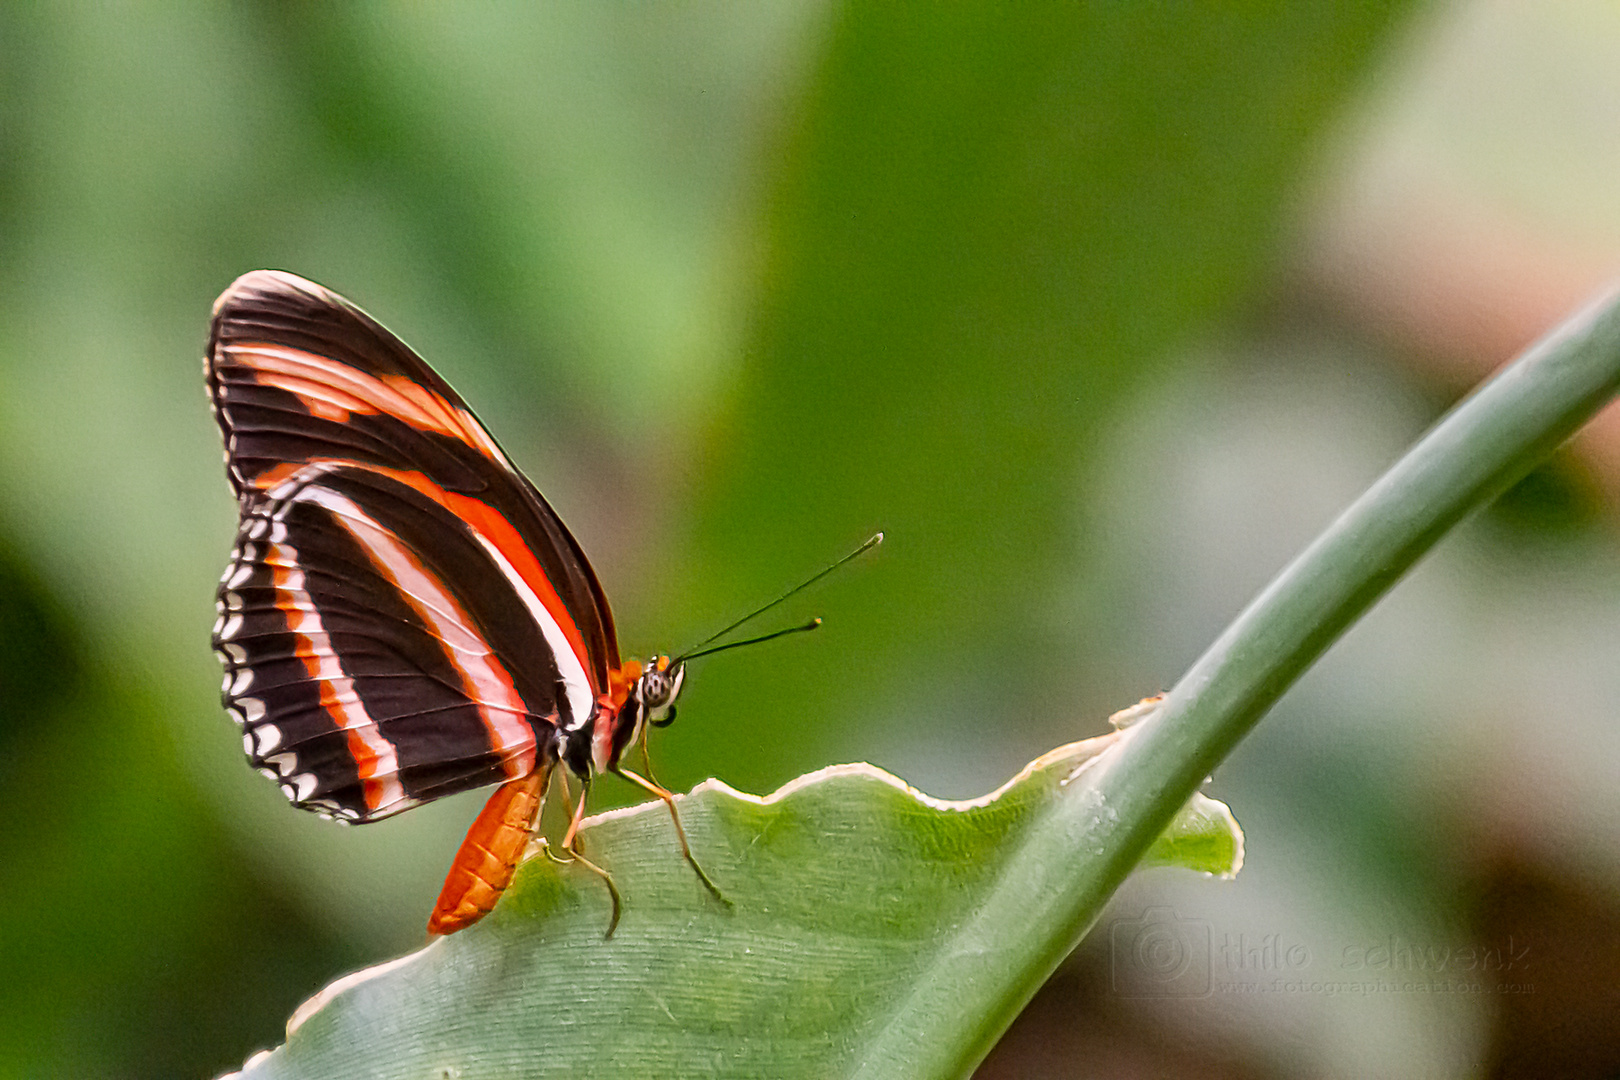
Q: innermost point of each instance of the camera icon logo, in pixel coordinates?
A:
(1160, 955)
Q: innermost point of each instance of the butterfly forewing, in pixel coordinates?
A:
(298, 375)
(403, 616)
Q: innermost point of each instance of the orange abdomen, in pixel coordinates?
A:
(490, 854)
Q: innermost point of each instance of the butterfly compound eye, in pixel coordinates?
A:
(660, 686)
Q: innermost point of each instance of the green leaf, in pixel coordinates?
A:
(845, 886)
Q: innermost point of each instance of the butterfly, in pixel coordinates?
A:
(404, 615)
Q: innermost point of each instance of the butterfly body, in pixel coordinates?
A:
(404, 616)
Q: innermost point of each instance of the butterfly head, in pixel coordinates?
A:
(660, 684)
(650, 699)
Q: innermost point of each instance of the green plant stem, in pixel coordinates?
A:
(1048, 898)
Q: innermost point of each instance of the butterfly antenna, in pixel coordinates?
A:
(698, 650)
(811, 625)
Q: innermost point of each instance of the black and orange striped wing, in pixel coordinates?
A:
(404, 616)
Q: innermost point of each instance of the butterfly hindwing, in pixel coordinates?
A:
(365, 677)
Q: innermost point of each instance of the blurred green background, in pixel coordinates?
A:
(1099, 311)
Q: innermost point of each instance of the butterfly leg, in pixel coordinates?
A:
(576, 818)
(568, 800)
(680, 832)
(545, 842)
(489, 856)
(573, 844)
(646, 763)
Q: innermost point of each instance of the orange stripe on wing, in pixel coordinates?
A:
(278, 474)
(377, 763)
(504, 542)
(499, 531)
(333, 390)
(485, 679)
(494, 527)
